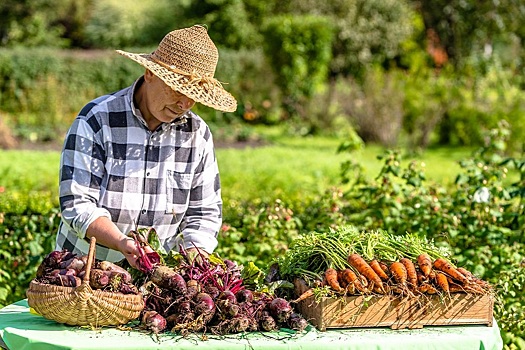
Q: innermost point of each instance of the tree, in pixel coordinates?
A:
(467, 27)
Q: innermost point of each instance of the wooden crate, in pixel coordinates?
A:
(396, 312)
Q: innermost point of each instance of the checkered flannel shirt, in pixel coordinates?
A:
(113, 166)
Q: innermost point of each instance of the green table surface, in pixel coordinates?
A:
(22, 330)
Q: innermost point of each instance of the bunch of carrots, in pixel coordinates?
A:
(348, 261)
(404, 277)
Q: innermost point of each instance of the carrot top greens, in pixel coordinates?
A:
(310, 255)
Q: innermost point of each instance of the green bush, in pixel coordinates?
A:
(28, 224)
(478, 101)
(42, 90)
(298, 49)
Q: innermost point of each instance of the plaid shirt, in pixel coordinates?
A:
(112, 165)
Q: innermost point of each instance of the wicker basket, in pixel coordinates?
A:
(82, 306)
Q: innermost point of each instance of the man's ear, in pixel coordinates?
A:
(148, 75)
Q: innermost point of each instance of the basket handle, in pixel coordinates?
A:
(90, 259)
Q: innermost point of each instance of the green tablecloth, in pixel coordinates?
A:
(22, 330)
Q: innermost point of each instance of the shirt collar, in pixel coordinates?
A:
(136, 112)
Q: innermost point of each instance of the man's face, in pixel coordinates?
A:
(163, 103)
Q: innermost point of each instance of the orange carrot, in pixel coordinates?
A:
(465, 273)
(363, 280)
(442, 282)
(446, 267)
(399, 272)
(411, 271)
(331, 279)
(421, 279)
(340, 279)
(307, 294)
(374, 264)
(385, 268)
(363, 268)
(427, 289)
(425, 264)
(352, 280)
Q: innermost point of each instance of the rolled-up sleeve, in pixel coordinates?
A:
(81, 172)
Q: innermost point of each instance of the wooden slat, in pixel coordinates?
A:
(396, 312)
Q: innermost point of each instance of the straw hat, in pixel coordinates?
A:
(186, 60)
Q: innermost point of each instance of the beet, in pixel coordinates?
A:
(98, 279)
(177, 284)
(280, 309)
(64, 280)
(204, 304)
(154, 321)
(192, 289)
(212, 291)
(227, 309)
(109, 266)
(74, 263)
(244, 295)
(161, 275)
(239, 324)
(297, 322)
(267, 323)
(125, 288)
(68, 272)
(227, 295)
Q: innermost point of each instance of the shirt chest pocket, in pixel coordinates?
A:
(178, 192)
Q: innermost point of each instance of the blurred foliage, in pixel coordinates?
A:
(298, 61)
(467, 26)
(365, 31)
(298, 50)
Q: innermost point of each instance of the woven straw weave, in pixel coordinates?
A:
(186, 60)
(83, 306)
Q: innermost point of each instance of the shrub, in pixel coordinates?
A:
(28, 224)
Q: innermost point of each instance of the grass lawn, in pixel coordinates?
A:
(287, 166)
(293, 165)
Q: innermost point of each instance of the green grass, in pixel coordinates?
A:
(295, 165)
(287, 167)
(23, 170)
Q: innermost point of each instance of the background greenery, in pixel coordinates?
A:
(389, 114)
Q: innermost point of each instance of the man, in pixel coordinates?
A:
(140, 157)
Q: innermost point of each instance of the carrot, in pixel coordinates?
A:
(340, 279)
(374, 264)
(385, 268)
(363, 268)
(353, 281)
(465, 273)
(411, 271)
(425, 264)
(307, 294)
(363, 280)
(474, 288)
(399, 272)
(331, 279)
(427, 289)
(442, 282)
(446, 267)
(471, 288)
(421, 279)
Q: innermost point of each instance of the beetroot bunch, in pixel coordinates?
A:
(201, 295)
(63, 268)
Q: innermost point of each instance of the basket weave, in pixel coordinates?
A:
(83, 306)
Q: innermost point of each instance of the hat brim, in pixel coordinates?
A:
(210, 95)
